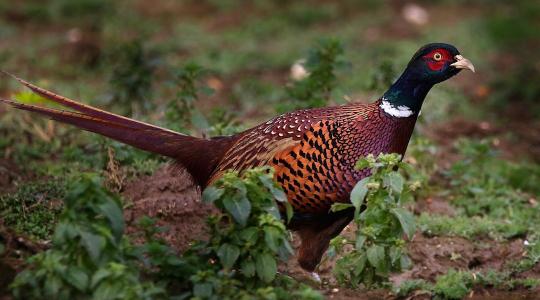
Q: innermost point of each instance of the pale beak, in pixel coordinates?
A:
(462, 63)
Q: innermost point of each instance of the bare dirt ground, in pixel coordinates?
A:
(170, 196)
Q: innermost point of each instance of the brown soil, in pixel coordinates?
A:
(170, 196)
(435, 205)
(434, 256)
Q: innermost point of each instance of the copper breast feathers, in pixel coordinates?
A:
(314, 151)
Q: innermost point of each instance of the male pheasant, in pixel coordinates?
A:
(313, 151)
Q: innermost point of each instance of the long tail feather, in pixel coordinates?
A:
(199, 156)
(86, 109)
(149, 139)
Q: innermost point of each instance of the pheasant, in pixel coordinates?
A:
(313, 151)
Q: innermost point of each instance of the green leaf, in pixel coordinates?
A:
(285, 250)
(239, 207)
(289, 211)
(202, 290)
(360, 240)
(338, 206)
(250, 235)
(274, 211)
(114, 214)
(362, 164)
(52, 286)
(405, 262)
(375, 256)
(98, 277)
(358, 194)
(106, 290)
(406, 167)
(360, 264)
(272, 236)
(77, 278)
(266, 267)
(406, 219)
(394, 181)
(248, 268)
(228, 254)
(199, 120)
(394, 253)
(211, 194)
(277, 192)
(93, 244)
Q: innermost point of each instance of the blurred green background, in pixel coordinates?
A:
(124, 52)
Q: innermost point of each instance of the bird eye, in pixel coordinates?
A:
(437, 56)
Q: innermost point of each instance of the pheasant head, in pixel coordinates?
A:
(431, 64)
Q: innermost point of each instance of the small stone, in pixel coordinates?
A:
(415, 14)
(298, 71)
(316, 277)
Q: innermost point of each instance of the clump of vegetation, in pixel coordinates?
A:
(92, 258)
(383, 76)
(409, 286)
(490, 194)
(131, 80)
(382, 222)
(532, 257)
(223, 123)
(33, 209)
(456, 284)
(181, 112)
(247, 239)
(314, 90)
(453, 285)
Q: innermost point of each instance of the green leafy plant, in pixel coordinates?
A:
(33, 209)
(491, 196)
(456, 284)
(181, 113)
(240, 257)
(314, 90)
(382, 221)
(409, 286)
(90, 256)
(254, 234)
(383, 75)
(131, 80)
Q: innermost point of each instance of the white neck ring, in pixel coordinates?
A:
(400, 111)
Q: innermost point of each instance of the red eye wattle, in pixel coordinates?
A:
(437, 58)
